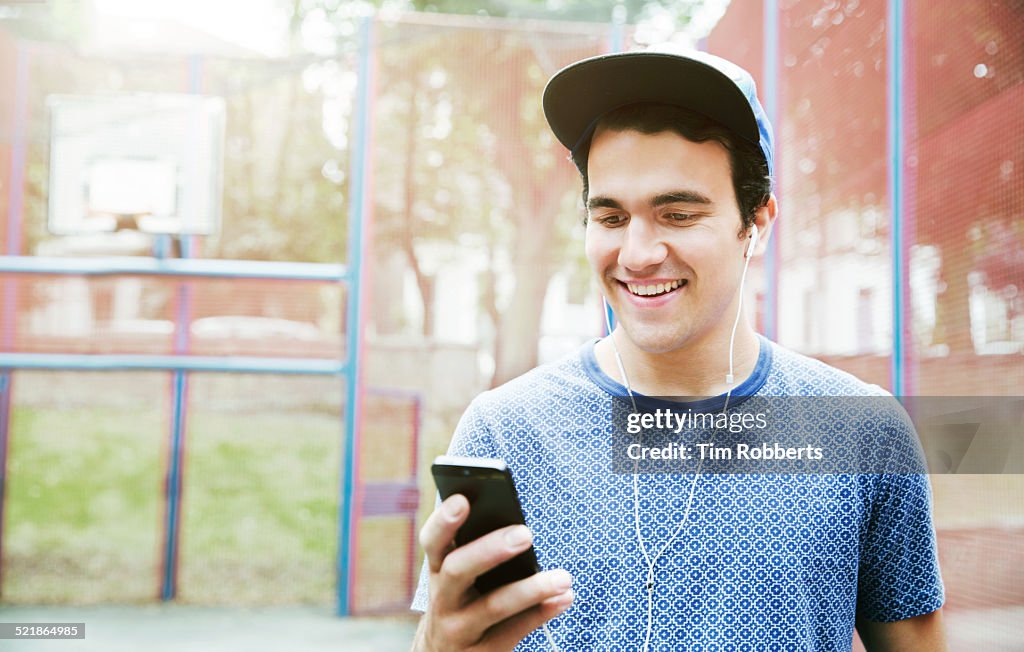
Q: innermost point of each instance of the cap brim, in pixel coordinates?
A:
(579, 94)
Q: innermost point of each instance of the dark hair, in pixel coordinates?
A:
(750, 178)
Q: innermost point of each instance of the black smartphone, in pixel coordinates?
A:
(493, 503)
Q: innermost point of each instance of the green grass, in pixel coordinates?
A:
(260, 508)
(84, 522)
(82, 505)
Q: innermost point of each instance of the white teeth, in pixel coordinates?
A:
(652, 290)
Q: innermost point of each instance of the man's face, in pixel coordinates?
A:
(664, 237)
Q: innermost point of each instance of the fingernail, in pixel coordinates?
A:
(453, 509)
(561, 581)
(518, 536)
(564, 599)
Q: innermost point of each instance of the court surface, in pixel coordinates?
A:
(161, 628)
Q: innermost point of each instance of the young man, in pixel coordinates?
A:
(676, 156)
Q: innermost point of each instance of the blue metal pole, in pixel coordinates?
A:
(359, 198)
(896, 145)
(5, 417)
(616, 43)
(770, 78)
(172, 267)
(141, 362)
(179, 399)
(169, 587)
(8, 317)
(609, 319)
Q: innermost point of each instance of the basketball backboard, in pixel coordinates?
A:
(152, 162)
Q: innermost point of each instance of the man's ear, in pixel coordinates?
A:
(764, 219)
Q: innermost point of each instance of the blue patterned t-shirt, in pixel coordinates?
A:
(763, 562)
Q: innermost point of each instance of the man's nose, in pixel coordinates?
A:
(642, 245)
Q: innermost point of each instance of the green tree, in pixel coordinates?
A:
(495, 180)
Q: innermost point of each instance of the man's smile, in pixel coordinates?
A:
(653, 287)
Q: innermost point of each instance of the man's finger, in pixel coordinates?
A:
(507, 635)
(438, 532)
(464, 564)
(510, 600)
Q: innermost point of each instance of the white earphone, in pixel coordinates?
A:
(753, 242)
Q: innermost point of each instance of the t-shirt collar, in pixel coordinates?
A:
(748, 387)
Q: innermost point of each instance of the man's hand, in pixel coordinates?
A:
(458, 617)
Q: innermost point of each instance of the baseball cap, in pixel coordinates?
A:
(579, 94)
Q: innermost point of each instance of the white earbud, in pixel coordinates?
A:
(753, 242)
(748, 253)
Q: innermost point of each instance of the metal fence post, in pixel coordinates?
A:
(896, 146)
(360, 199)
(179, 400)
(770, 77)
(15, 206)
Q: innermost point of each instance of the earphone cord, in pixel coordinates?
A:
(636, 509)
(550, 638)
(732, 337)
(636, 482)
(693, 485)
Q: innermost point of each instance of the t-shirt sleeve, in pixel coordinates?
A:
(472, 438)
(899, 569)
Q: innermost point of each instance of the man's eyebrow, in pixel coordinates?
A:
(602, 202)
(680, 197)
(674, 197)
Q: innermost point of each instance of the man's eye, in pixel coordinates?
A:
(612, 220)
(681, 217)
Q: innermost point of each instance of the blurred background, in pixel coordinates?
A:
(257, 257)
